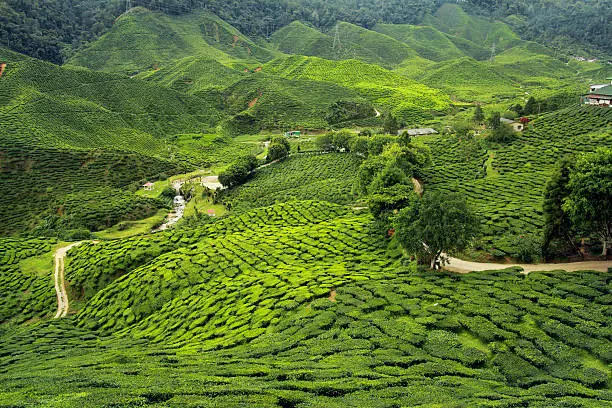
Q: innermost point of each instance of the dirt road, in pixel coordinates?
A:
(460, 266)
(60, 285)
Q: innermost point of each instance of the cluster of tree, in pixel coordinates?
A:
(385, 178)
(578, 203)
(344, 111)
(279, 149)
(52, 29)
(500, 132)
(238, 172)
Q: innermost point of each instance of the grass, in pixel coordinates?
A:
(126, 229)
(201, 204)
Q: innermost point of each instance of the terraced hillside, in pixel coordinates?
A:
(428, 42)
(452, 19)
(264, 101)
(142, 40)
(406, 98)
(506, 183)
(25, 280)
(298, 305)
(327, 177)
(69, 132)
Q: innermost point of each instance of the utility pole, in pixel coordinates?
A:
(337, 39)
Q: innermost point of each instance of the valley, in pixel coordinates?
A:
(318, 207)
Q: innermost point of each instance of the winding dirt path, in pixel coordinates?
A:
(63, 304)
(461, 266)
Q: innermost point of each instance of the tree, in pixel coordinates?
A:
(478, 114)
(238, 172)
(342, 140)
(503, 134)
(494, 121)
(279, 149)
(324, 142)
(589, 203)
(558, 228)
(435, 225)
(530, 107)
(391, 125)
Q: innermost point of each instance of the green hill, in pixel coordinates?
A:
(408, 99)
(389, 51)
(300, 39)
(506, 183)
(263, 101)
(77, 136)
(345, 41)
(196, 75)
(469, 80)
(142, 40)
(428, 42)
(453, 20)
(530, 63)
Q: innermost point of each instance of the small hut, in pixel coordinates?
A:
(148, 186)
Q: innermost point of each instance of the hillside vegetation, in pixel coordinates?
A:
(304, 282)
(142, 40)
(506, 183)
(298, 304)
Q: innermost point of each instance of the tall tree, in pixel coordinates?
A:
(436, 225)
(478, 114)
(558, 229)
(589, 203)
(391, 125)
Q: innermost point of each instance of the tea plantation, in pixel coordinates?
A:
(286, 290)
(327, 177)
(299, 305)
(506, 183)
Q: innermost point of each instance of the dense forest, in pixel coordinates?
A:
(53, 29)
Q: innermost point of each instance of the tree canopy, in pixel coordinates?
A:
(589, 203)
(437, 224)
(53, 29)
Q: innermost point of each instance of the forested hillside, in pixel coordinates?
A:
(54, 29)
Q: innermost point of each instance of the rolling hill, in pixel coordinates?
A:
(66, 131)
(143, 40)
(406, 98)
(345, 41)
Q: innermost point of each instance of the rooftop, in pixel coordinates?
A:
(605, 91)
(418, 132)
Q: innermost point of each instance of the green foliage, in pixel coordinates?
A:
(345, 111)
(239, 172)
(306, 176)
(435, 225)
(510, 202)
(493, 122)
(589, 203)
(504, 133)
(558, 229)
(478, 114)
(391, 125)
(279, 149)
